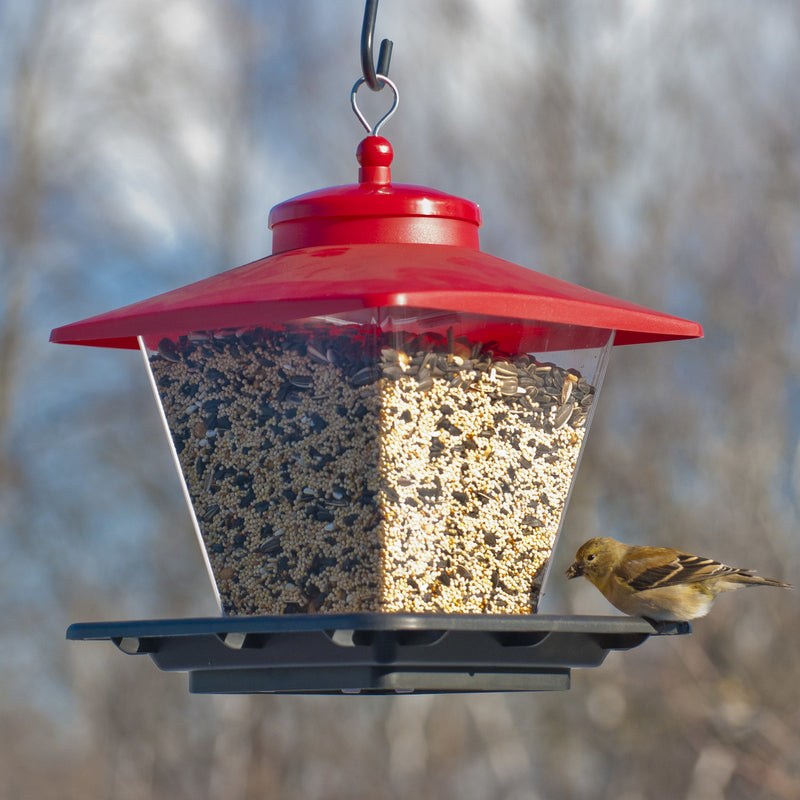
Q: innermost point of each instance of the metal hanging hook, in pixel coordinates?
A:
(371, 75)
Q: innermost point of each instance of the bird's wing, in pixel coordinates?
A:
(663, 567)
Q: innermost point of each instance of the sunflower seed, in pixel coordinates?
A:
(365, 376)
(316, 355)
(271, 545)
(393, 371)
(563, 413)
(566, 389)
(505, 368)
(508, 387)
(169, 350)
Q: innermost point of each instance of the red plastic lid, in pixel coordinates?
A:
(374, 245)
(374, 211)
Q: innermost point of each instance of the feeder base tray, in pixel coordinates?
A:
(376, 653)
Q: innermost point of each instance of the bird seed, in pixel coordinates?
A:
(343, 470)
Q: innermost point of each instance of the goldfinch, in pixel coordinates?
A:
(658, 583)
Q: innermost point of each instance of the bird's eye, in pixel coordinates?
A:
(590, 557)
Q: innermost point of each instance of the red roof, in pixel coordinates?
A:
(323, 280)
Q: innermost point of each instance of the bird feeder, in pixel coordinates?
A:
(377, 430)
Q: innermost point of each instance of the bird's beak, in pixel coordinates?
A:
(575, 571)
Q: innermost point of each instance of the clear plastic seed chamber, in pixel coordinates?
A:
(387, 460)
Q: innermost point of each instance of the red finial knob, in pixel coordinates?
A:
(375, 154)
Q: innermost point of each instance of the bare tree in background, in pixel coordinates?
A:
(648, 151)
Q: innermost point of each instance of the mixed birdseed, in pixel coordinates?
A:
(349, 470)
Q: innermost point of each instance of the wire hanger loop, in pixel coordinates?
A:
(373, 130)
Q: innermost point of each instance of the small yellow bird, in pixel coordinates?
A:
(658, 583)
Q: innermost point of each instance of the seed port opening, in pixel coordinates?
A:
(134, 645)
(520, 638)
(239, 640)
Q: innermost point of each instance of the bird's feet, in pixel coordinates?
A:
(664, 627)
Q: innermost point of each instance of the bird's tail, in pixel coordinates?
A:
(749, 577)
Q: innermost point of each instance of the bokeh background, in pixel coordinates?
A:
(650, 150)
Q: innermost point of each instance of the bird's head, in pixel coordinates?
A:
(595, 559)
